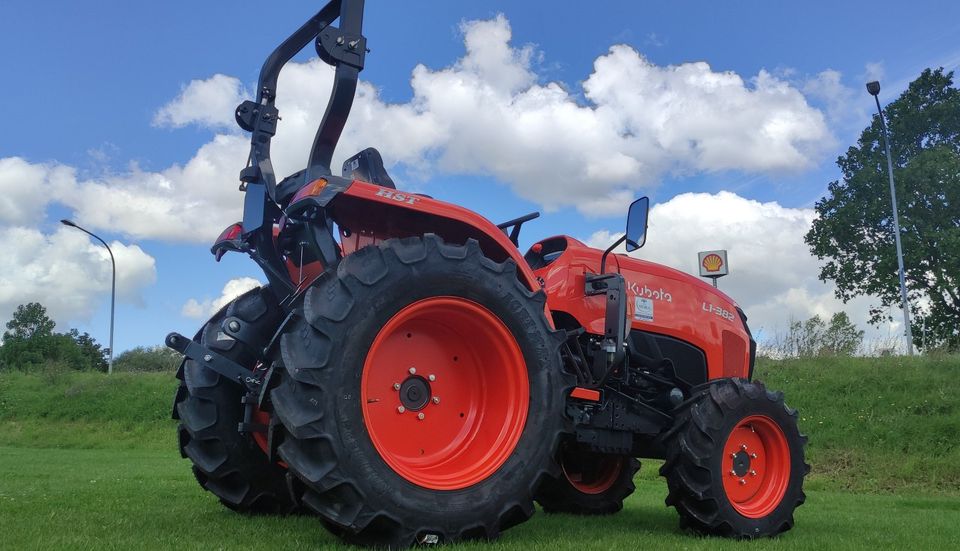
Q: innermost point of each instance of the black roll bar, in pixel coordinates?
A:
(345, 49)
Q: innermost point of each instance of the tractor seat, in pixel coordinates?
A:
(367, 166)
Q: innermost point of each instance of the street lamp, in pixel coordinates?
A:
(874, 89)
(113, 286)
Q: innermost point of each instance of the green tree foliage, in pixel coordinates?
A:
(30, 344)
(816, 338)
(29, 320)
(854, 229)
(142, 358)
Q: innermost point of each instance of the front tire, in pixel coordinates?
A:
(590, 483)
(230, 465)
(422, 395)
(735, 463)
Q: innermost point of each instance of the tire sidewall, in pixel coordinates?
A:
(373, 307)
(775, 411)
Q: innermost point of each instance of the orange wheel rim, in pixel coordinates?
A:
(444, 393)
(591, 473)
(756, 466)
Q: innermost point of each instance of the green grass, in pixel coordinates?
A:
(876, 424)
(130, 499)
(89, 461)
(87, 410)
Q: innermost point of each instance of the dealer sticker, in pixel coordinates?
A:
(642, 309)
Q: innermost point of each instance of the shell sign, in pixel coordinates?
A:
(713, 264)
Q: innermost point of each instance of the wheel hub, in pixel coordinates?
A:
(741, 463)
(415, 393)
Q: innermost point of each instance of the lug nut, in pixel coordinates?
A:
(432, 377)
(733, 473)
(733, 456)
(742, 482)
(396, 386)
(412, 370)
(401, 409)
(753, 456)
(436, 399)
(207, 358)
(753, 473)
(420, 416)
(743, 447)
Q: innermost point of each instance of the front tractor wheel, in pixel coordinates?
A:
(735, 462)
(589, 483)
(422, 395)
(232, 466)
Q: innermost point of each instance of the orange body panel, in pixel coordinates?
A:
(370, 213)
(670, 303)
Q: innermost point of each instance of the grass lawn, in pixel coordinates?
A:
(133, 499)
(89, 462)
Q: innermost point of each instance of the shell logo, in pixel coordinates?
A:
(712, 262)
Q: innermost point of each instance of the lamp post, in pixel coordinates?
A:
(874, 89)
(113, 286)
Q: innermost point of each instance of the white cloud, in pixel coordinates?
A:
(208, 102)
(874, 70)
(25, 189)
(202, 309)
(67, 272)
(827, 86)
(487, 113)
(773, 276)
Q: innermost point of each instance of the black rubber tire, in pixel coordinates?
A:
(694, 450)
(558, 495)
(341, 475)
(225, 462)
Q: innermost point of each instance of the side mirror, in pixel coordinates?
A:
(637, 224)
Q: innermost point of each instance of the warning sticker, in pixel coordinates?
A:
(642, 309)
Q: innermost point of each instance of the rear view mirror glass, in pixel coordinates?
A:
(637, 224)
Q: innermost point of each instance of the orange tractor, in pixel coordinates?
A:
(411, 377)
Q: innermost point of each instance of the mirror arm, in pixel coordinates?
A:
(603, 259)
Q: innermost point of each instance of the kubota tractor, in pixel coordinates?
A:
(410, 377)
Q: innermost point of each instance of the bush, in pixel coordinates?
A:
(29, 344)
(147, 359)
(815, 338)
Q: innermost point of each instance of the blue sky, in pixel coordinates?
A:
(86, 82)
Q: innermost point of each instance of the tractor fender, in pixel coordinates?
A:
(366, 214)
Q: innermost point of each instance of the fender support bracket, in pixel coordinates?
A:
(221, 364)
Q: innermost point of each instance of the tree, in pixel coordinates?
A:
(94, 356)
(29, 321)
(30, 343)
(814, 337)
(841, 337)
(854, 227)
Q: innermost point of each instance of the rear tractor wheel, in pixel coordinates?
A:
(590, 483)
(422, 395)
(232, 466)
(735, 463)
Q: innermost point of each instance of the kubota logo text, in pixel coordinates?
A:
(646, 292)
(398, 197)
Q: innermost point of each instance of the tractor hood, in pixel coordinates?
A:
(660, 300)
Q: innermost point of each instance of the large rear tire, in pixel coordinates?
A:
(422, 395)
(735, 463)
(590, 483)
(227, 463)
